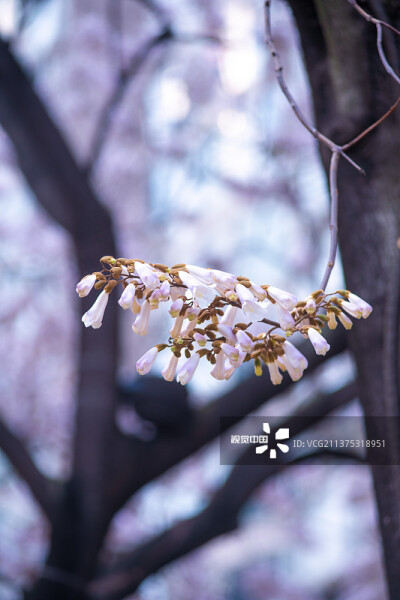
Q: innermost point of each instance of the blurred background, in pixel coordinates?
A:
(173, 117)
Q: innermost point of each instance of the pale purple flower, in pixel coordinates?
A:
(332, 323)
(227, 332)
(345, 321)
(85, 285)
(365, 308)
(218, 371)
(320, 344)
(145, 363)
(200, 339)
(165, 289)
(285, 299)
(141, 322)
(204, 294)
(294, 355)
(356, 307)
(127, 296)
(155, 299)
(176, 327)
(275, 374)
(187, 370)
(148, 275)
(170, 368)
(94, 316)
(226, 281)
(229, 316)
(245, 341)
(310, 305)
(286, 320)
(176, 307)
(258, 291)
(201, 274)
(235, 355)
(250, 305)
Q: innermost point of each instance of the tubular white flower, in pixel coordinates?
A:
(286, 320)
(148, 275)
(351, 308)
(192, 313)
(142, 320)
(94, 316)
(229, 316)
(200, 339)
(365, 308)
(170, 368)
(245, 341)
(229, 370)
(85, 285)
(224, 279)
(227, 332)
(127, 296)
(201, 274)
(295, 372)
(165, 289)
(258, 291)
(310, 305)
(187, 327)
(286, 299)
(275, 374)
(218, 371)
(186, 371)
(294, 355)
(332, 323)
(177, 292)
(176, 307)
(176, 327)
(250, 306)
(155, 299)
(320, 344)
(204, 294)
(136, 306)
(145, 363)
(345, 321)
(232, 296)
(235, 355)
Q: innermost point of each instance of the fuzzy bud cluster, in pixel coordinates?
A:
(222, 318)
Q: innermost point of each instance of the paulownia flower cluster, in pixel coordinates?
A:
(221, 317)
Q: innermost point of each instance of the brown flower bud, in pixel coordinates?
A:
(109, 260)
(110, 286)
(99, 284)
(116, 272)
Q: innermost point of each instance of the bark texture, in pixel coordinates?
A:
(350, 90)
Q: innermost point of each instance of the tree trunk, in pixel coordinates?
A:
(350, 90)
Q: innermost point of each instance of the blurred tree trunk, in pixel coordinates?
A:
(351, 89)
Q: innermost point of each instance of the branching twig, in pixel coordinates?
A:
(124, 79)
(337, 150)
(43, 489)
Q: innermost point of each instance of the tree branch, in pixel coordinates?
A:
(44, 490)
(218, 518)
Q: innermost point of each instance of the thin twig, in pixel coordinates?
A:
(295, 107)
(372, 127)
(379, 24)
(333, 226)
(382, 54)
(337, 150)
(372, 19)
(125, 76)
